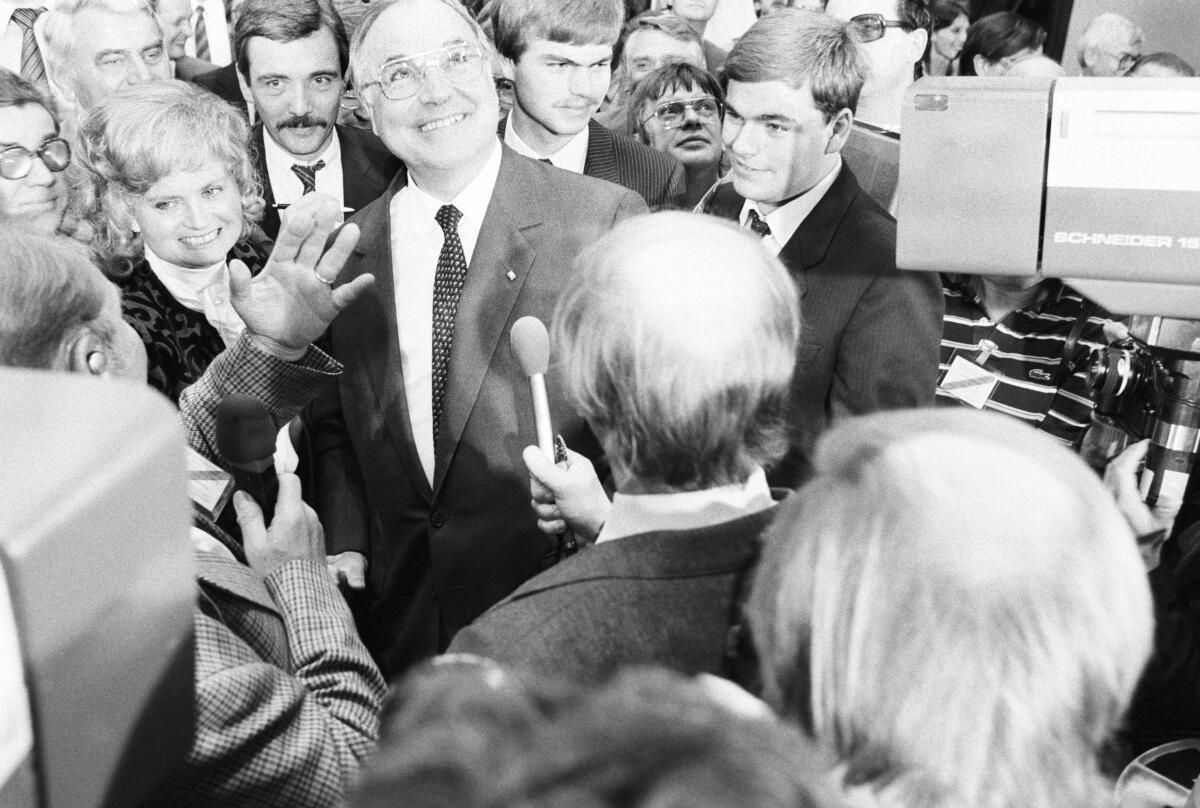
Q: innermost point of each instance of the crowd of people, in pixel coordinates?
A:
(775, 560)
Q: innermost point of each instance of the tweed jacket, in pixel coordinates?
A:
(367, 168)
(870, 333)
(440, 554)
(287, 697)
(664, 598)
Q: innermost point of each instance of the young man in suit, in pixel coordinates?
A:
(418, 457)
(561, 51)
(687, 402)
(871, 331)
(291, 59)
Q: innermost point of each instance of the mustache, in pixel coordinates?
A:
(297, 121)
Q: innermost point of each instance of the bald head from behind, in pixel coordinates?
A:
(679, 339)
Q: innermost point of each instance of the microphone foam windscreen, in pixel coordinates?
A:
(531, 344)
(245, 431)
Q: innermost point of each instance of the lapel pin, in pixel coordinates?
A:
(512, 276)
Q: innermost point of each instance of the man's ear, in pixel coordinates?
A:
(841, 125)
(86, 353)
(918, 40)
(982, 66)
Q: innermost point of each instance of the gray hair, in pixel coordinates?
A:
(678, 341)
(982, 566)
(51, 291)
(1106, 29)
(58, 28)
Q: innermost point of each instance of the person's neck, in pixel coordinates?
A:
(882, 108)
(445, 184)
(536, 136)
(699, 180)
(1000, 300)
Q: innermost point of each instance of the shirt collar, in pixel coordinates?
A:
(786, 219)
(472, 201)
(279, 159)
(632, 514)
(185, 283)
(571, 156)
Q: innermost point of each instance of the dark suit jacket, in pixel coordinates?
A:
(367, 168)
(617, 158)
(870, 333)
(665, 598)
(223, 83)
(440, 556)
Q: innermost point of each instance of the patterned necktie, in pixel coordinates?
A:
(32, 67)
(202, 51)
(757, 224)
(308, 175)
(447, 288)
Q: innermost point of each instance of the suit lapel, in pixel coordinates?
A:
(601, 160)
(377, 335)
(487, 299)
(809, 245)
(270, 220)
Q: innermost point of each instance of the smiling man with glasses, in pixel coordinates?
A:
(33, 184)
(417, 455)
(871, 331)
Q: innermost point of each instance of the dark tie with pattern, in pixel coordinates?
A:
(308, 175)
(447, 288)
(201, 35)
(757, 223)
(32, 67)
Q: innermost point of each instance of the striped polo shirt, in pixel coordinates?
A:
(1027, 355)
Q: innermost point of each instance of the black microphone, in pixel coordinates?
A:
(246, 439)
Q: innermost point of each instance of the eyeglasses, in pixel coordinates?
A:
(1125, 59)
(402, 78)
(671, 113)
(870, 27)
(16, 162)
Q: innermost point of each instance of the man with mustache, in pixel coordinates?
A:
(291, 60)
(562, 53)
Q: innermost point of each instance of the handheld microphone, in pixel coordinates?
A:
(531, 345)
(246, 439)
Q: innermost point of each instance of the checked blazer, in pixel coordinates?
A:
(287, 697)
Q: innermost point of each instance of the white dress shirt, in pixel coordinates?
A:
(219, 50)
(786, 219)
(571, 157)
(287, 187)
(632, 514)
(416, 240)
(12, 36)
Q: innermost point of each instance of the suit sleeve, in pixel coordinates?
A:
(888, 354)
(629, 205)
(284, 387)
(266, 736)
(340, 492)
